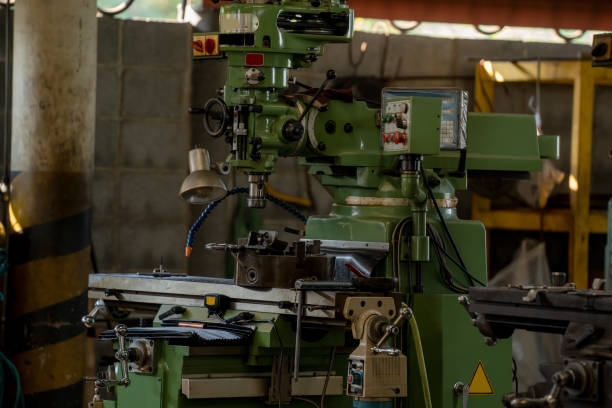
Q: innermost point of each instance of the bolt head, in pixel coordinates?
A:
(489, 341)
(121, 330)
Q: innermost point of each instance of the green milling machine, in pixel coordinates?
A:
(320, 321)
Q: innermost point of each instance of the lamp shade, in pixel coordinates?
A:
(202, 185)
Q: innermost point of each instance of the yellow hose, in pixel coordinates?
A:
(418, 348)
(303, 202)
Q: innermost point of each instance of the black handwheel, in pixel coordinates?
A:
(216, 117)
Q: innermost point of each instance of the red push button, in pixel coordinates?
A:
(254, 60)
(210, 46)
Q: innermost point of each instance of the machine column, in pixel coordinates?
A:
(54, 71)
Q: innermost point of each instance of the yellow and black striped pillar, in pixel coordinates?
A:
(54, 71)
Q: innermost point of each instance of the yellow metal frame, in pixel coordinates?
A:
(578, 220)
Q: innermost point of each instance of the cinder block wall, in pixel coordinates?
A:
(142, 139)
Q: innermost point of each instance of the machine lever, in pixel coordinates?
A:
(331, 75)
(172, 311)
(90, 319)
(562, 379)
(122, 355)
(463, 301)
(293, 130)
(298, 331)
(393, 328)
(462, 390)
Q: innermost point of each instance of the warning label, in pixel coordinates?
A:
(480, 384)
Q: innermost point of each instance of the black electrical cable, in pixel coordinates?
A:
(325, 384)
(396, 238)
(446, 230)
(113, 11)
(183, 7)
(314, 404)
(418, 281)
(445, 273)
(515, 377)
(453, 260)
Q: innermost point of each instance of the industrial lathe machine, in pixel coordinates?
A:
(361, 308)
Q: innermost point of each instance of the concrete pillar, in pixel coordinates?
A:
(54, 71)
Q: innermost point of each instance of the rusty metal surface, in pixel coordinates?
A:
(281, 271)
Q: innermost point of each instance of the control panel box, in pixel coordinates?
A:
(422, 121)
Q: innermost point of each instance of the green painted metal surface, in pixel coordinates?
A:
(453, 350)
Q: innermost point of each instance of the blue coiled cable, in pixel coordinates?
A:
(237, 190)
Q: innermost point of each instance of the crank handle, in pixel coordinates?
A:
(393, 328)
(122, 355)
(90, 319)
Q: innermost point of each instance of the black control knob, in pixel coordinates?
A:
(293, 130)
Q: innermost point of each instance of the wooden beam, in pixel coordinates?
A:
(586, 15)
(580, 175)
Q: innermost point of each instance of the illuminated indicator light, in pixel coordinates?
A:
(210, 46)
(350, 379)
(573, 183)
(210, 301)
(254, 60)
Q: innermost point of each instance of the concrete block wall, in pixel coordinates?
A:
(142, 139)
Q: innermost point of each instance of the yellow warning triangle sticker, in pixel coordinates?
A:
(480, 384)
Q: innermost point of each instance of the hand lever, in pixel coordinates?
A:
(293, 130)
(462, 390)
(122, 355)
(560, 380)
(331, 75)
(90, 319)
(392, 328)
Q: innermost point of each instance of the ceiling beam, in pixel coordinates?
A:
(584, 14)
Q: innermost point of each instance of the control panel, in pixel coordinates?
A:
(423, 121)
(354, 380)
(396, 125)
